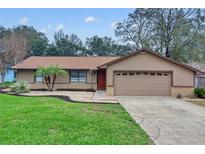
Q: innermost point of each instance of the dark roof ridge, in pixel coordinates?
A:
(76, 56)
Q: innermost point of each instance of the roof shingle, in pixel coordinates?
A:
(91, 63)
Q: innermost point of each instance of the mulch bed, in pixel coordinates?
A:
(85, 90)
(62, 97)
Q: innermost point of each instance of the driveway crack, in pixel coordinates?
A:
(158, 134)
(152, 137)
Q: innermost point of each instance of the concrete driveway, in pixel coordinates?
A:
(167, 120)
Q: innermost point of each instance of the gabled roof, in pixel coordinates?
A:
(90, 62)
(65, 62)
(153, 53)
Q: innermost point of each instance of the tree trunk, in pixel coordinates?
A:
(46, 80)
(167, 43)
(54, 79)
(3, 74)
(49, 83)
(167, 51)
(1, 78)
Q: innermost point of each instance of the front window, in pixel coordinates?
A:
(78, 76)
(39, 78)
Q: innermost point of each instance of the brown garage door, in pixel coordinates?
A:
(142, 83)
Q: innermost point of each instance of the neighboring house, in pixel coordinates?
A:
(200, 81)
(143, 73)
(199, 78)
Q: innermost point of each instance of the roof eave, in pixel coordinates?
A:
(62, 68)
(153, 53)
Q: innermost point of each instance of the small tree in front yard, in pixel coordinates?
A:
(50, 74)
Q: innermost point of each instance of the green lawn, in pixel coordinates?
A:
(43, 120)
(201, 103)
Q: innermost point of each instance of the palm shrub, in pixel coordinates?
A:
(199, 92)
(50, 74)
(20, 87)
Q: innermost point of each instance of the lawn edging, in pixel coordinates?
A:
(61, 97)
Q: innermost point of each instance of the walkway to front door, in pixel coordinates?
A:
(100, 95)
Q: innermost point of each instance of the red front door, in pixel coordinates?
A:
(101, 75)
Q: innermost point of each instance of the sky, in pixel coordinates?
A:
(83, 22)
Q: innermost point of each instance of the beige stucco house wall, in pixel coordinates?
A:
(170, 77)
(182, 79)
(62, 82)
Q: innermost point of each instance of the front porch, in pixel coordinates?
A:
(100, 95)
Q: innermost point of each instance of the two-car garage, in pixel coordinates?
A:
(138, 83)
(145, 73)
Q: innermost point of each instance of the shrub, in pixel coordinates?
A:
(20, 87)
(199, 92)
(6, 84)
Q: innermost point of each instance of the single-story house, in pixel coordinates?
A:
(143, 72)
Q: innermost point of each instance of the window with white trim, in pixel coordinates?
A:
(39, 78)
(78, 76)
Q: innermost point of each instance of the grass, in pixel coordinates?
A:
(201, 103)
(6, 84)
(44, 120)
